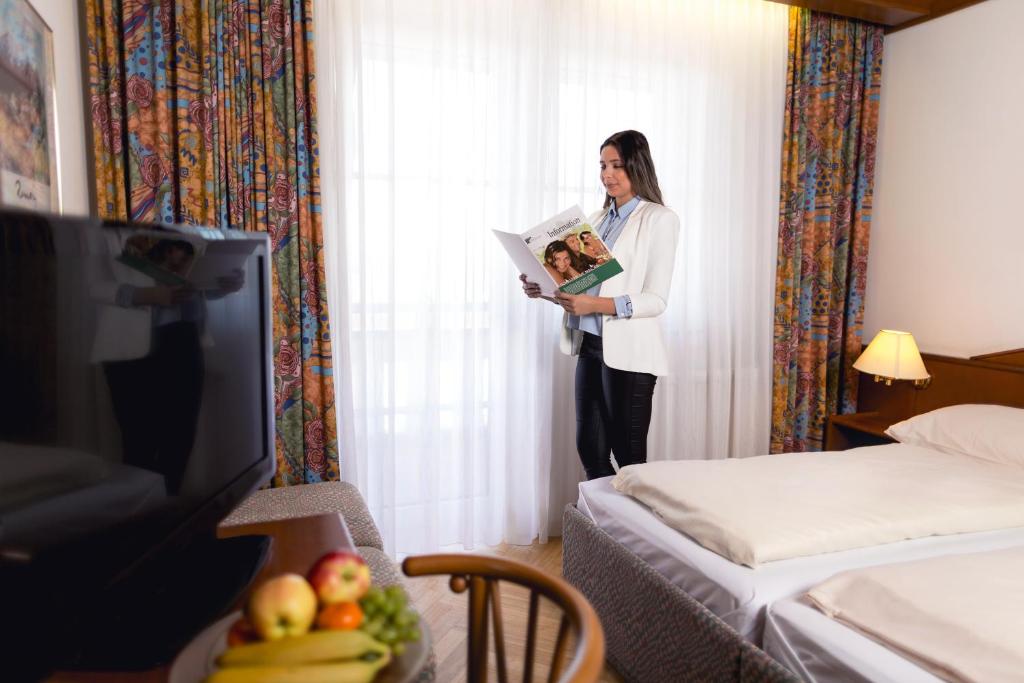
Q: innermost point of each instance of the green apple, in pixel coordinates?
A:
(283, 606)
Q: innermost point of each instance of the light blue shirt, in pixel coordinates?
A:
(609, 230)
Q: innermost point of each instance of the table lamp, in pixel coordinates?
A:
(893, 355)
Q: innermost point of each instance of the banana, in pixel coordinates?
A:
(309, 648)
(352, 671)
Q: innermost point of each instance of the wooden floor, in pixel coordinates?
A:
(446, 612)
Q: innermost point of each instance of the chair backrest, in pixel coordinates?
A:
(481, 574)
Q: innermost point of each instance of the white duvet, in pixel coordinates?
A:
(958, 616)
(774, 507)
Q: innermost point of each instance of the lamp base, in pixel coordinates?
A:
(918, 383)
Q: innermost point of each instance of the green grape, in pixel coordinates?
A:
(414, 635)
(374, 626)
(388, 635)
(396, 595)
(397, 649)
(402, 619)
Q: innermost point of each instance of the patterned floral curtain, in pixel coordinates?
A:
(203, 112)
(828, 163)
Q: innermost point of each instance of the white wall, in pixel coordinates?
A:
(62, 17)
(947, 244)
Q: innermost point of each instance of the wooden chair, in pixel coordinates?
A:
(481, 574)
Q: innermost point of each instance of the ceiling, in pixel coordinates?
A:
(893, 14)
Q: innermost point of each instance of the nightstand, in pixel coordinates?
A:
(857, 429)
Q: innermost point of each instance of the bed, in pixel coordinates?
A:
(948, 618)
(57, 493)
(818, 649)
(654, 560)
(739, 594)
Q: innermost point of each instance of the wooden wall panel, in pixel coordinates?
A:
(954, 380)
(1014, 357)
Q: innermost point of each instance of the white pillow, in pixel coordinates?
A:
(984, 431)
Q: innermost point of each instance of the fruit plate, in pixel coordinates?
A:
(199, 658)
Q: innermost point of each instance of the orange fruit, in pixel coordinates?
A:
(340, 616)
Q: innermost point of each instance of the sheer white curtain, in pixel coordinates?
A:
(440, 120)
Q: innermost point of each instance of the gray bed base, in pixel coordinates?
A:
(654, 631)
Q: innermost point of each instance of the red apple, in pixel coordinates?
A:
(339, 577)
(241, 633)
(283, 606)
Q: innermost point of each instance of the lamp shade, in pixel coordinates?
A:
(892, 354)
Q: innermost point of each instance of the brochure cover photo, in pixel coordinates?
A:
(562, 253)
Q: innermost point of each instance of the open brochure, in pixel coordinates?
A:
(562, 253)
(182, 260)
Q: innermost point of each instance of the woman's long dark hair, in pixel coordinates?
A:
(636, 160)
(581, 262)
(553, 248)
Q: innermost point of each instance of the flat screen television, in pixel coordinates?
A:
(136, 410)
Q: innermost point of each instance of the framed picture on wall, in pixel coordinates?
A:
(28, 128)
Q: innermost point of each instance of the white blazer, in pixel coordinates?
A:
(646, 250)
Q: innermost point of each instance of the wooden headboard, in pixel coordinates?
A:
(991, 378)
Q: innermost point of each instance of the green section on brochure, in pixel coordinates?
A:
(594, 277)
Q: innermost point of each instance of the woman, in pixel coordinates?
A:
(614, 328)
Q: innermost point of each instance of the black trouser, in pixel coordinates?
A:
(613, 411)
(156, 400)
